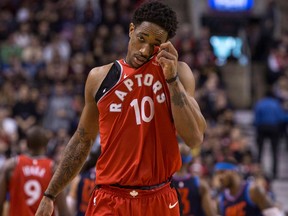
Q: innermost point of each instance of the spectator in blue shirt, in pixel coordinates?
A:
(269, 115)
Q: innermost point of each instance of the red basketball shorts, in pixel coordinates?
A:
(108, 200)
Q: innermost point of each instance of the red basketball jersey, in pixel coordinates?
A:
(28, 182)
(138, 137)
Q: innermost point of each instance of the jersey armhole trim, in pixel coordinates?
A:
(197, 181)
(221, 204)
(247, 195)
(112, 78)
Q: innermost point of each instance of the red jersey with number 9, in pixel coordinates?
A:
(138, 137)
(28, 182)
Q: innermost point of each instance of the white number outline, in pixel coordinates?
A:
(33, 190)
(134, 103)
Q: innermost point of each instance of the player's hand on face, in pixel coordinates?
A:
(167, 57)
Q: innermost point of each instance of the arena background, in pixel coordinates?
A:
(236, 49)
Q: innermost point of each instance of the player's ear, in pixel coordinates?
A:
(131, 29)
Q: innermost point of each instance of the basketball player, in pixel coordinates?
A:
(195, 192)
(137, 104)
(80, 191)
(26, 177)
(241, 198)
(82, 185)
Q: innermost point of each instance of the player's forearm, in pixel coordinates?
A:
(208, 206)
(188, 118)
(73, 159)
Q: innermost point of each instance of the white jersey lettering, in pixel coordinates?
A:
(129, 83)
(148, 79)
(139, 77)
(156, 86)
(120, 94)
(138, 81)
(33, 171)
(161, 98)
(115, 107)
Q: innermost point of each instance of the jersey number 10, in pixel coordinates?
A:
(140, 110)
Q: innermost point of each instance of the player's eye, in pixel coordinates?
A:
(140, 38)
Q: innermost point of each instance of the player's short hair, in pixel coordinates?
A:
(36, 138)
(158, 13)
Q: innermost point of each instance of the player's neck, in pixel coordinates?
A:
(38, 153)
(236, 186)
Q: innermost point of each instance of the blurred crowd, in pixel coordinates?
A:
(48, 47)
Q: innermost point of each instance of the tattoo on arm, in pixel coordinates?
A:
(179, 98)
(74, 156)
(83, 136)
